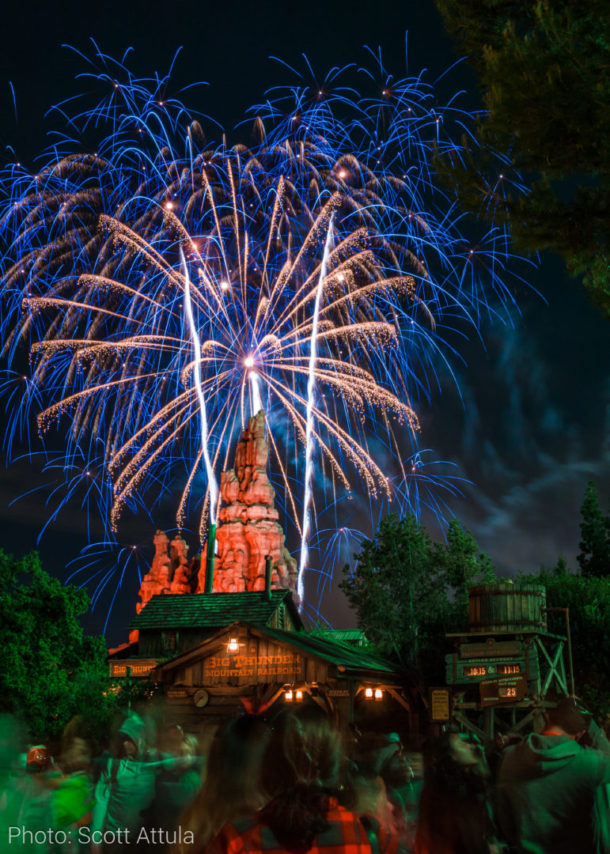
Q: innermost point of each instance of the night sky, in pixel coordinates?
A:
(532, 425)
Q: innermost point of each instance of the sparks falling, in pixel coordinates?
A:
(165, 287)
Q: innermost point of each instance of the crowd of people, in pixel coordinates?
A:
(294, 783)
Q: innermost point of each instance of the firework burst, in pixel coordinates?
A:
(162, 282)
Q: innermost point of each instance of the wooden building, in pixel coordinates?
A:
(240, 644)
(171, 624)
(247, 667)
(508, 668)
(217, 655)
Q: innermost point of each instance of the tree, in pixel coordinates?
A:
(594, 555)
(463, 564)
(408, 591)
(49, 670)
(543, 70)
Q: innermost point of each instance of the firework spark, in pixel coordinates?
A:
(166, 286)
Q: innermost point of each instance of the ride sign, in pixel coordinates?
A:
(503, 691)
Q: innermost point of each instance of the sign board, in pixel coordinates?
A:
(461, 672)
(503, 691)
(139, 668)
(280, 663)
(440, 704)
(176, 693)
(491, 649)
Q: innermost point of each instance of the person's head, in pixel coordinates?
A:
(76, 755)
(395, 769)
(38, 759)
(130, 742)
(129, 749)
(300, 771)
(189, 746)
(232, 784)
(304, 750)
(450, 758)
(462, 750)
(568, 718)
(383, 754)
(171, 739)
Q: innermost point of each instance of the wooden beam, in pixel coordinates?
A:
(399, 699)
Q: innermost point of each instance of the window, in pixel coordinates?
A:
(170, 641)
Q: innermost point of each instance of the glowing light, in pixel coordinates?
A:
(289, 696)
(298, 695)
(309, 421)
(188, 308)
(142, 368)
(255, 388)
(368, 693)
(378, 694)
(233, 646)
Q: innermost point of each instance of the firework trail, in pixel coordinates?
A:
(188, 308)
(163, 286)
(309, 429)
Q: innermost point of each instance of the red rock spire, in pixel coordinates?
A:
(248, 527)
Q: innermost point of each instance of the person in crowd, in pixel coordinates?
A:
(455, 807)
(412, 793)
(364, 793)
(72, 793)
(24, 801)
(552, 795)
(177, 783)
(232, 785)
(171, 740)
(496, 748)
(300, 774)
(126, 786)
(382, 756)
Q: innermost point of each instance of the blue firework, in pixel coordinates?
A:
(151, 271)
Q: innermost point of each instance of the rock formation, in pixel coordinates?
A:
(248, 526)
(248, 530)
(170, 571)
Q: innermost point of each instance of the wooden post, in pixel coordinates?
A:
(128, 674)
(268, 562)
(209, 560)
(566, 613)
(570, 662)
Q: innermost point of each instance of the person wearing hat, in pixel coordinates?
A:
(125, 789)
(549, 786)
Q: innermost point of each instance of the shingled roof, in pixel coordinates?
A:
(348, 659)
(203, 610)
(354, 637)
(341, 654)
